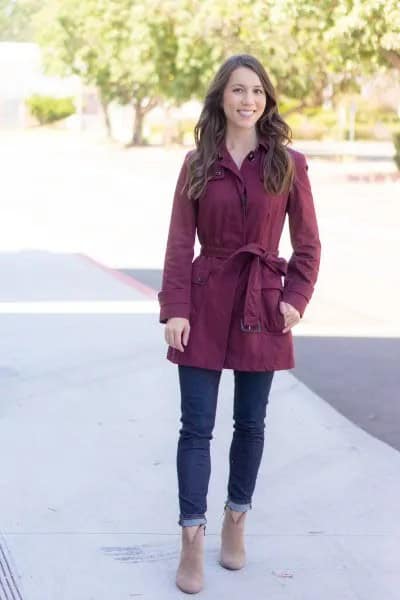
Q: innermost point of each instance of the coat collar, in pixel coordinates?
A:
(224, 158)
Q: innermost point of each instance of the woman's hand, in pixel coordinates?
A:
(291, 314)
(174, 328)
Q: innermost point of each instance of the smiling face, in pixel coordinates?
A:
(244, 99)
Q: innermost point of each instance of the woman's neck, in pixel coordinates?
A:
(241, 141)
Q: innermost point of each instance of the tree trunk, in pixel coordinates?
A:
(137, 136)
(107, 121)
(140, 110)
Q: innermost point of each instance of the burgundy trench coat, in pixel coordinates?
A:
(231, 291)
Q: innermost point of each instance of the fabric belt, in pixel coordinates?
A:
(261, 260)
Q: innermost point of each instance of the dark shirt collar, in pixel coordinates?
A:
(223, 153)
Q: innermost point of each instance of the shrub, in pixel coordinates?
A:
(47, 109)
(323, 123)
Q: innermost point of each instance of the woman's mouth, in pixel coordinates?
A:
(246, 113)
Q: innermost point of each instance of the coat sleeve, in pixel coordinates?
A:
(303, 265)
(174, 297)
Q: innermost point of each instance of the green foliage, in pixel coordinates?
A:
(47, 109)
(127, 48)
(145, 53)
(317, 123)
(16, 20)
(367, 33)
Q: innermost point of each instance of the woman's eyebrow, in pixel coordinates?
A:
(241, 85)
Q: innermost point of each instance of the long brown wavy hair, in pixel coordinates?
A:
(210, 130)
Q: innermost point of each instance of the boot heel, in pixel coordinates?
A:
(233, 554)
(190, 573)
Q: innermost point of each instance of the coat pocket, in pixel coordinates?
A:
(272, 320)
(201, 269)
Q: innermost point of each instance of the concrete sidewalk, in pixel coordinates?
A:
(89, 418)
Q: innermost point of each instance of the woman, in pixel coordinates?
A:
(234, 306)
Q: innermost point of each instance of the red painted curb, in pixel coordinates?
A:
(123, 277)
(374, 177)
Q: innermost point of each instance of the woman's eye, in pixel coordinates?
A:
(240, 89)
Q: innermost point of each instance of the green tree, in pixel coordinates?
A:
(367, 33)
(88, 39)
(128, 49)
(289, 37)
(168, 50)
(16, 20)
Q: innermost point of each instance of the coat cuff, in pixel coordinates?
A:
(297, 300)
(168, 311)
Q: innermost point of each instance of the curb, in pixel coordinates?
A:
(122, 277)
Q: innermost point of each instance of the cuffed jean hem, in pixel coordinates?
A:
(190, 521)
(236, 506)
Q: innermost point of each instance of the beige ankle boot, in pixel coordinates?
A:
(233, 554)
(190, 573)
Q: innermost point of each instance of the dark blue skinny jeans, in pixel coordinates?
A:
(199, 391)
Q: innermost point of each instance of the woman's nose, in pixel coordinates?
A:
(248, 99)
